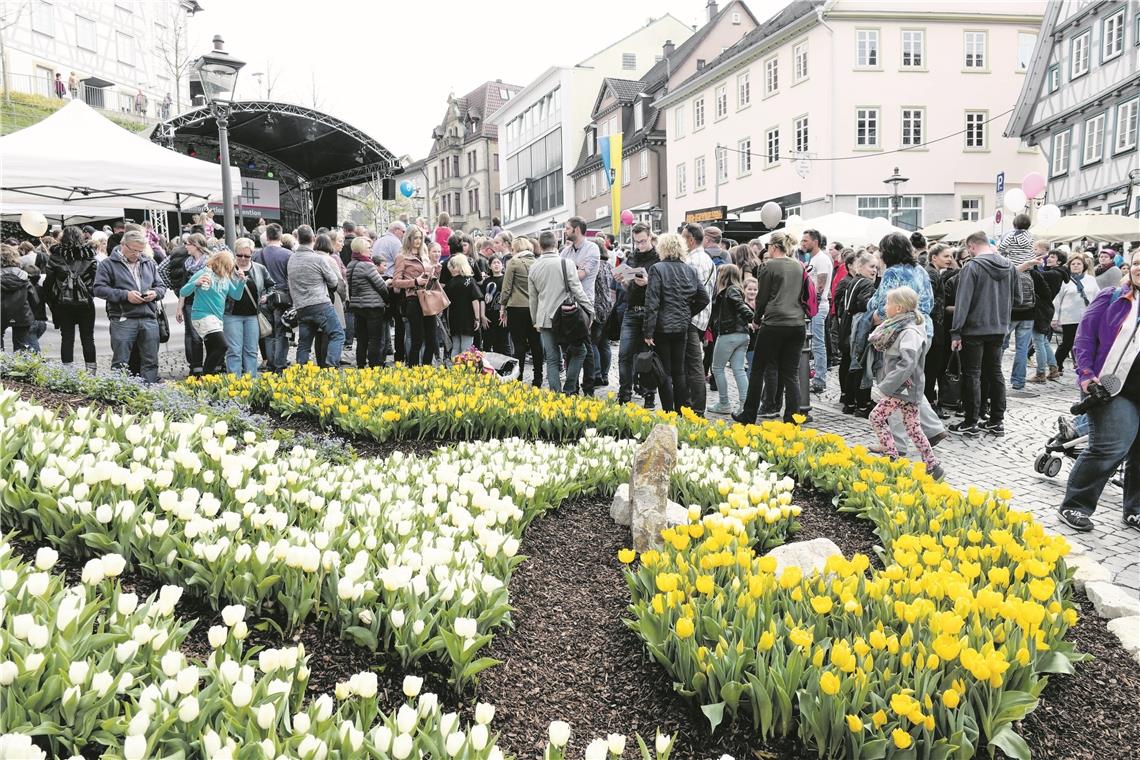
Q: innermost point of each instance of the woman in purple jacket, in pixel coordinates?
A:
(1106, 352)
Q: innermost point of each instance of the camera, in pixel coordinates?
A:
(1100, 392)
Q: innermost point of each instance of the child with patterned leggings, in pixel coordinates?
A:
(901, 338)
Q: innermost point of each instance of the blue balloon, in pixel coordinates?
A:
(407, 189)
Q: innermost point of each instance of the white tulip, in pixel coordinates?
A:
(171, 663)
(479, 736)
(46, 558)
(596, 750)
(217, 635)
(412, 685)
(92, 572)
(38, 636)
(301, 723)
(325, 706)
(104, 514)
(406, 719)
(559, 732)
(266, 714)
(662, 743)
(232, 614)
(418, 627)
(397, 618)
(366, 685)
(102, 682)
(139, 724)
(484, 713)
(455, 743)
(113, 565)
(402, 746)
(241, 630)
(8, 672)
(381, 737)
(127, 604)
(8, 579)
(134, 748)
(21, 624)
(365, 617)
(77, 672)
(428, 704)
(616, 744)
(447, 723)
(36, 584)
(33, 662)
(468, 628)
(241, 694)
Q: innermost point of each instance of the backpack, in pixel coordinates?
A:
(71, 290)
(1024, 295)
(809, 297)
(569, 324)
(603, 292)
(650, 370)
(163, 271)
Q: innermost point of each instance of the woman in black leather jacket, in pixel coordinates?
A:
(851, 298)
(69, 287)
(730, 319)
(673, 296)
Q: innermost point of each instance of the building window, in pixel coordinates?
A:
(721, 165)
(638, 114)
(84, 33)
(866, 48)
(801, 128)
(125, 48)
(603, 182)
(626, 173)
(975, 130)
(743, 90)
(735, 19)
(744, 151)
(435, 175)
(722, 101)
(458, 203)
(1093, 140)
(679, 121)
(908, 215)
(593, 184)
(867, 127)
(643, 164)
(681, 190)
(699, 173)
(772, 141)
(913, 48)
(771, 76)
(871, 206)
(455, 166)
(629, 61)
(700, 64)
(698, 113)
(1053, 79)
(1059, 164)
(800, 59)
(971, 209)
(1112, 36)
(1079, 55)
(1126, 125)
(43, 18)
(913, 122)
(975, 50)
(1025, 43)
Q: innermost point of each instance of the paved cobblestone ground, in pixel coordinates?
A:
(987, 462)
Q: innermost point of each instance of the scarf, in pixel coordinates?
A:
(885, 335)
(1125, 346)
(1102, 268)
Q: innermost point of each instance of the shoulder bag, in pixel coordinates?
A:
(163, 323)
(264, 325)
(432, 299)
(569, 323)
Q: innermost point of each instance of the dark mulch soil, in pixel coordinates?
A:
(1094, 713)
(49, 398)
(820, 519)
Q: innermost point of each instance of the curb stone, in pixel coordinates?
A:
(1112, 601)
(1127, 631)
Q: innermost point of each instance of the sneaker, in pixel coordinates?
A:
(1067, 431)
(942, 413)
(849, 408)
(720, 409)
(769, 414)
(939, 438)
(1075, 519)
(993, 428)
(969, 430)
(937, 472)
(1037, 379)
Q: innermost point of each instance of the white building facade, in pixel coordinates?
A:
(1081, 102)
(114, 48)
(540, 129)
(818, 106)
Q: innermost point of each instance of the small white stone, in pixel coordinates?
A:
(675, 514)
(1087, 569)
(1112, 601)
(1127, 630)
(620, 509)
(808, 556)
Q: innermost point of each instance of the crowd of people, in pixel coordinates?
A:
(915, 333)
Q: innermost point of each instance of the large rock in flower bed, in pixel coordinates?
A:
(808, 556)
(1087, 569)
(649, 487)
(1112, 601)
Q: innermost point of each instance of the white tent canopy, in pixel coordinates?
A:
(1102, 228)
(77, 157)
(62, 214)
(954, 231)
(848, 229)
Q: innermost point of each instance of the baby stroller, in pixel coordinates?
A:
(1067, 443)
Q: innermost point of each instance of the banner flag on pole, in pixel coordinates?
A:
(604, 152)
(615, 185)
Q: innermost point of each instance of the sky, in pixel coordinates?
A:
(387, 67)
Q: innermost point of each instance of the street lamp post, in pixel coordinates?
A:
(218, 71)
(894, 181)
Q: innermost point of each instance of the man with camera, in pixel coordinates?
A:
(1105, 354)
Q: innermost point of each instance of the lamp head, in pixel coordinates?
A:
(218, 71)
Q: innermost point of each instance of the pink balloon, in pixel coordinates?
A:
(627, 217)
(1033, 184)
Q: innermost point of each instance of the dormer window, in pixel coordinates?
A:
(638, 114)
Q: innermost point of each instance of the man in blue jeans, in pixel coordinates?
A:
(632, 339)
(821, 268)
(275, 259)
(552, 280)
(311, 278)
(131, 287)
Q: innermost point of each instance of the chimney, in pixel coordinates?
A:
(712, 9)
(668, 49)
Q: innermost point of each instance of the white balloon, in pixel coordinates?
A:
(1015, 200)
(794, 220)
(796, 231)
(34, 223)
(770, 214)
(1048, 215)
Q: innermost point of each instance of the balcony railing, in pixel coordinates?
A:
(121, 102)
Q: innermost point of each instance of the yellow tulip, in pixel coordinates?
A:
(901, 738)
(626, 556)
(829, 683)
(685, 627)
(951, 699)
(854, 723)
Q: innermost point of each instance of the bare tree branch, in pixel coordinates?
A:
(174, 50)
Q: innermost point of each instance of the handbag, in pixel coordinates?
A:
(432, 299)
(570, 325)
(163, 323)
(950, 384)
(264, 326)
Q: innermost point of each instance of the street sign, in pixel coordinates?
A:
(997, 218)
(706, 215)
(1001, 182)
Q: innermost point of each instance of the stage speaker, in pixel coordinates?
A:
(388, 189)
